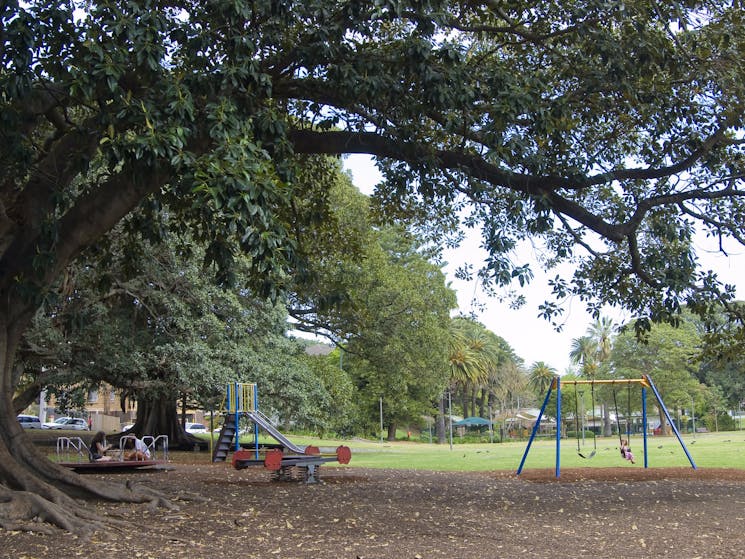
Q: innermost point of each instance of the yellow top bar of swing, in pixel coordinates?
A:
(643, 381)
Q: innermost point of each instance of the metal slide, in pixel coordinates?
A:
(263, 421)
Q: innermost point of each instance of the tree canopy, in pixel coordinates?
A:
(151, 321)
(610, 130)
(670, 357)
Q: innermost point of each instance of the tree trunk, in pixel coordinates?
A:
(484, 402)
(607, 426)
(464, 399)
(31, 486)
(158, 415)
(664, 427)
(392, 431)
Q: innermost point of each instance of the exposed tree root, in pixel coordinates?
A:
(48, 499)
(22, 510)
(31, 512)
(40, 496)
(162, 500)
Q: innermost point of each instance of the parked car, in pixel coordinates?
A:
(195, 428)
(29, 421)
(73, 423)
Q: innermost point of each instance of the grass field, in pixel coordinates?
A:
(708, 450)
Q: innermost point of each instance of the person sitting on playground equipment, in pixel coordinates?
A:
(137, 449)
(626, 451)
(99, 448)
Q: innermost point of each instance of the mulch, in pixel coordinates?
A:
(365, 513)
(622, 474)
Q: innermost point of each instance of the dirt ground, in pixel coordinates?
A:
(355, 513)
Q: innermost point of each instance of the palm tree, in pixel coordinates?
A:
(601, 332)
(510, 386)
(466, 365)
(592, 351)
(492, 352)
(473, 355)
(584, 353)
(541, 376)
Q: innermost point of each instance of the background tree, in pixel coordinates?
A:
(506, 380)
(337, 412)
(722, 358)
(609, 130)
(669, 357)
(475, 356)
(150, 322)
(583, 352)
(541, 377)
(370, 289)
(592, 353)
(398, 351)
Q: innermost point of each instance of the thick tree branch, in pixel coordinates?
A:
(644, 206)
(308, 141)
(636, 264)
(94, 214)
(719, 137)
(511, 27)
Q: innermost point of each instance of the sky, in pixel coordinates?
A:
(533, 338)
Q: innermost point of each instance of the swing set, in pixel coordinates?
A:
(646, 384)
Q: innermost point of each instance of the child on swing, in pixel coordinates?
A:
(626, 451)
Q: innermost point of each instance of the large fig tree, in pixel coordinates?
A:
(611, 130)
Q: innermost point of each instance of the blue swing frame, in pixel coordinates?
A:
(645, 382)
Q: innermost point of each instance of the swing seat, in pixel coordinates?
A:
(588, 456)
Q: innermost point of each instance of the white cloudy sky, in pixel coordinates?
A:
(533, 338)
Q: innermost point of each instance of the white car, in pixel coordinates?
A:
(71, 423)
(29, 421)
(195, 428)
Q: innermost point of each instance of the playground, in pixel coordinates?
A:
(390, 503)
(384, 513)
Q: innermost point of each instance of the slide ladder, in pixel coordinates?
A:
(225, 441)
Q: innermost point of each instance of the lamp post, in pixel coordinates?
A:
(450, 415)
(381, 420)
(693, 416)
(584, 413)
(491, 430)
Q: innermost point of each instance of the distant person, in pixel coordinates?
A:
(626, 451)
(99, 447)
